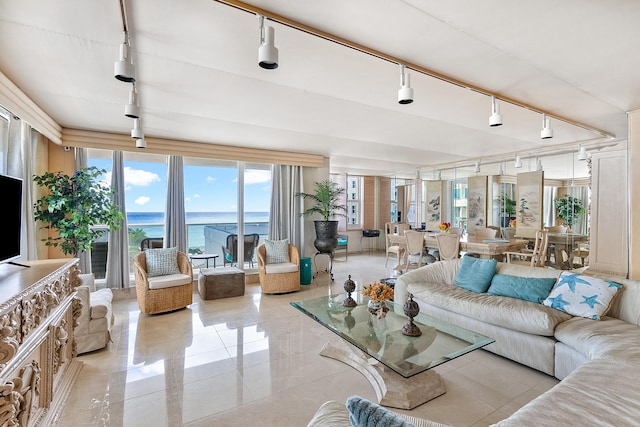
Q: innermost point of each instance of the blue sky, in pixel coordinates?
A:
(207, 188)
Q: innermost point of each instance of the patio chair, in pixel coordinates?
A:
(230, 251)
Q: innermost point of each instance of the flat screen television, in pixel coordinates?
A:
(11, 190)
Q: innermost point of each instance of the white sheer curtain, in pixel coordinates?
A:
(549, 206)
(285, 221)
(118, 254)
(582, 193)
(21, 152)
(175, 228)
(84, 257)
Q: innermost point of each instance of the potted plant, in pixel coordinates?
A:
(569, 209)
(507, 207)
(326, 203)
(73, 207)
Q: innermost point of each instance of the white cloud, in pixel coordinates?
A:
(210, 179)
(196, 196)
(139, 177)
(142, 200)
(254, 176)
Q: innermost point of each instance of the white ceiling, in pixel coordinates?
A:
(198, 78)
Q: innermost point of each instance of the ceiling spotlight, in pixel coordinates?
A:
(496, 117)
(477, 168)
(405, 93)
(538, 165)
(500, 170)
(518, 163)
(267, 52)
(582, 153)
(132, 109)
(546, 131)
(123, 69)
(136, 132)
(141, 143)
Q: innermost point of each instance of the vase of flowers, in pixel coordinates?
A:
(444, 227)
(379, 294)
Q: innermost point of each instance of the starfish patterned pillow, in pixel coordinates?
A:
(581, 295)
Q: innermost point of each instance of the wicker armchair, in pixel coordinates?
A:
(278, 278)
(166, 293)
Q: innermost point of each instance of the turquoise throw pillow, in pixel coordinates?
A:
(364, 413)
(534, 289)
(475, 274)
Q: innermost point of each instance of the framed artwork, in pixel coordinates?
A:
(529, 203)
(476, 202)
(434, 196)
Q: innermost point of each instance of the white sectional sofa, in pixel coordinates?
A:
(598, 361)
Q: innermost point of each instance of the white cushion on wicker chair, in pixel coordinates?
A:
(161, 282)
(283, 267)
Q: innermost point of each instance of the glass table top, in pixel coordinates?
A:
(382, 338)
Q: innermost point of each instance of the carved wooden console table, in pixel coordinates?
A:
(38, 363)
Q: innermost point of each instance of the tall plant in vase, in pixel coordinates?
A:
(73, 207)
(570, 209)
(327, 203)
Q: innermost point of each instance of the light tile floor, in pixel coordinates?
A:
(253, 360)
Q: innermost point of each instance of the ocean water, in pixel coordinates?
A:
(152, 223)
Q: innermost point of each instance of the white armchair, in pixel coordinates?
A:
(94, 324)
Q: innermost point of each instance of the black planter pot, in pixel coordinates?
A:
(326, 240)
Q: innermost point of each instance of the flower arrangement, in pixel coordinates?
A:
(512, 223)
(378, 292)
(444, 226)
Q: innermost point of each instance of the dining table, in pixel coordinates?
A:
(484, 248)
(567, 242)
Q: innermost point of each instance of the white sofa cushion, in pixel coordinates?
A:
(609, 338)
(161, 282)
(598, 393)
(515, 314)
(101, 303)
(283, 267)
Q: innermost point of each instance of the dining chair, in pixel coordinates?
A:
(448, 245)
(485, 233)
(534, 258)
(508, 233)
(415, 248)
(392, 248)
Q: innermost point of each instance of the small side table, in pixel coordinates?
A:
(206, 257)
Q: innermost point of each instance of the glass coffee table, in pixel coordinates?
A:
(397, 366)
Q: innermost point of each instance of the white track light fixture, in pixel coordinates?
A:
(132, 110)
(267, 53)
(123, 69)
(405, 93)
(546, 131)
(518, 163)
(137, 132)
(477, 168)
(500, 170)
(582, 153)
(538, 165)
(141, 143)
(496, 117)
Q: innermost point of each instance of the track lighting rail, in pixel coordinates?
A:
(384, 56)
